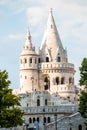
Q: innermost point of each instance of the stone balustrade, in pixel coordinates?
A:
(55, 65)
(51, 109)
(28, 66)
(48, 65)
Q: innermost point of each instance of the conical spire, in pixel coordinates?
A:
(28, 47)
(28, 42)
(51, 39)
(51, 32)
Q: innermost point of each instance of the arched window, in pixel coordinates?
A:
(30, 120)
(33, 119)
(44, 119)
(48, 119)
(62, 80)
(46, 83)
(57, 80)
(47, 59)
(80, 127)
(46, 102)
(68, 97)
(38, 119)
(25, 60)
(39, 60)
(38, 102)
(70, 80)
(58, 59)
(30, 60)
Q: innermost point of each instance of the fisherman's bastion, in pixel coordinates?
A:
(49, 96)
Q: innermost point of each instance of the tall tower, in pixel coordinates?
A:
(55, 73)
(28, 67)
(49, 70)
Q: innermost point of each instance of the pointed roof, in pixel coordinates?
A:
(51, 33)
(51, 38)
(28, 47)
(28, 42)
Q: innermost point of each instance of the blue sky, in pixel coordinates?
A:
(16, 15)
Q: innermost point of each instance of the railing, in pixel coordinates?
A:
(66, 122)
(51, 109)
(55, 65)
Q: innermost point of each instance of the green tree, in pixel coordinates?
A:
(83, 96)
(10, 112)
(83, 73)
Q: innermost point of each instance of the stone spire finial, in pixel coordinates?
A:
(28, 42)
(28, 36)
(50, 10)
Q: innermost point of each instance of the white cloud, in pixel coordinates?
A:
(36, 16)
(70, 17)
(15, 36)
(3, 2)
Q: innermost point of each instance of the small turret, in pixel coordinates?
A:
(28, 66)
(28, 47)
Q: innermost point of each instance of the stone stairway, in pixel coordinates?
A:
(66, 123)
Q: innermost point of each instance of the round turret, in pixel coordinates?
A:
(28, 67)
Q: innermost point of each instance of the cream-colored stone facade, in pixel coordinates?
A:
(48, 92)
(48, 69)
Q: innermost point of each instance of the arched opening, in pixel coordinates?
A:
(30, 120)
(62, 80)
(47, 59)
(48, 119)
(46, 83)
(27, 104)
(39, 60)
(70, 128)
(70, 80)
(80, 127)
(33, 119)
(68, 98)
(44, 120)
(38, 119)
(57, 80)
(25, 60)
(58, 59)
(45, 102)
(30, 60)
(38, 102)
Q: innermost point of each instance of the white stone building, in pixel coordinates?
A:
(47, 87)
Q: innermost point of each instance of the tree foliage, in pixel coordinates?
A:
(83, 96)
(10, 113)
(83, 73)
